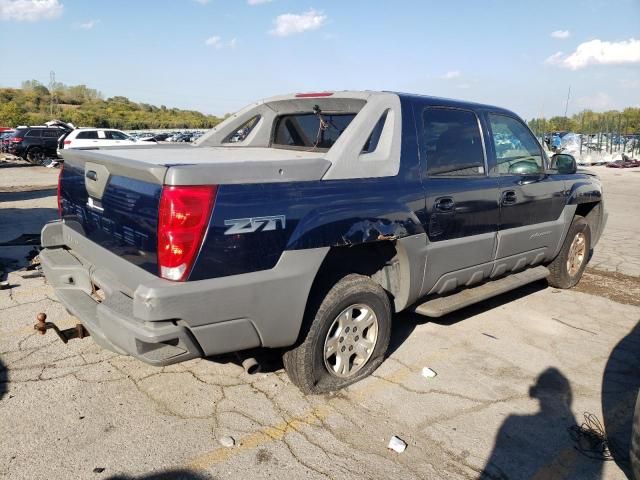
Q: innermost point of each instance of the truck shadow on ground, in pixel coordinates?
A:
(4, 380)
(620, 385)
(405, 323)
(179, 474)
(403, 326)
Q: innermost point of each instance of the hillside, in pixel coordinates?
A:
(83, 106)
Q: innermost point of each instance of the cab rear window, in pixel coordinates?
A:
(310, 131)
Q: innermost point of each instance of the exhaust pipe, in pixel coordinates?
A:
(251, 365)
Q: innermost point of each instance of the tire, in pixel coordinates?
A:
(331, 321)
(35, 155)
(567, 268)
(634, 454)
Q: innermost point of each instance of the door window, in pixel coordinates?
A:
(452, 143)
(517, 150)
(34, 133)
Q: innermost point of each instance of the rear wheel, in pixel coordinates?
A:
(347, 334)
(567, 268)
(35, 155)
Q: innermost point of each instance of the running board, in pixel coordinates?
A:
(442, 305)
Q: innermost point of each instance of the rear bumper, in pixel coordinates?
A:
(163, 322)
(111, 321)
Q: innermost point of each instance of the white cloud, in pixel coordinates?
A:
(214, 41)
(464, 86)
(88, 25)
(561, 34)
(30, 10)
(554, 59)
(598, 52)
(291, 23)
(451, 75)
(258, 2)
(217, 43)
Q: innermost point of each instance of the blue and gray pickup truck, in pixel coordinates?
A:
(305, 222)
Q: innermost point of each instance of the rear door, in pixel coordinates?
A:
(531, 199)
(461, 198)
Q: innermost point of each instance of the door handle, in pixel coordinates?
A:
(445, 204)
(509, 197)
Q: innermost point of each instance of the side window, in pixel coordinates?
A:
(243, 132)
(113, 135)
(90, 135)
(33, 133)
(452, 143)
(517, 150)
(52, 133)
(372, 142)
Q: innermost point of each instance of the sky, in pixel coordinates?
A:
(217, 56)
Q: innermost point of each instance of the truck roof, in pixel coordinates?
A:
(369, 94)
(450, 102)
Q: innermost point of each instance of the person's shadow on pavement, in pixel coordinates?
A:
(539, 446)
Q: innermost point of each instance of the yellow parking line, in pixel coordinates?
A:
(277, 432)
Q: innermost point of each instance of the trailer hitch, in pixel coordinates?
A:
(65, 335)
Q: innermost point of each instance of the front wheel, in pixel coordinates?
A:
(567, 268)
(346, 338)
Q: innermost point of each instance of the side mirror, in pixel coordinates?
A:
(564, 163)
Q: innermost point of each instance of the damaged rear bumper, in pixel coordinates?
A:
(111, 322)
(131, 311)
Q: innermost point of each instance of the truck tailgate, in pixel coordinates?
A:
(112, 195)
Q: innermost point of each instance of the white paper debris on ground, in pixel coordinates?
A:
(227, 441)
(397, 444)
(428, 373)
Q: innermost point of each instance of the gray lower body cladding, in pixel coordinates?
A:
(163, 322)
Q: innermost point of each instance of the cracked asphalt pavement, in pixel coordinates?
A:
(514, 375)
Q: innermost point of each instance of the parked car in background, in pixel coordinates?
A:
(625, 162)
(4, 140)
(95, 138)
(35, 144)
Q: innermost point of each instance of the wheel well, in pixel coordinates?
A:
(591, 211)
(378, 260)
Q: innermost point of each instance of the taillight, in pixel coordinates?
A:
(16, 139)
(60, 191)
(183, 217)
(67, 142)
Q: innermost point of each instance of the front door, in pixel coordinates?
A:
(531, 199)
(461, 199)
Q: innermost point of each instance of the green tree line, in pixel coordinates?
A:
(86, 107)
(626, 122)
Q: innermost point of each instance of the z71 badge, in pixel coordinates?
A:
(251, 225)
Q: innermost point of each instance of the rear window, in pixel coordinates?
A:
(53, 133)
(87, 135)
(306, 130)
